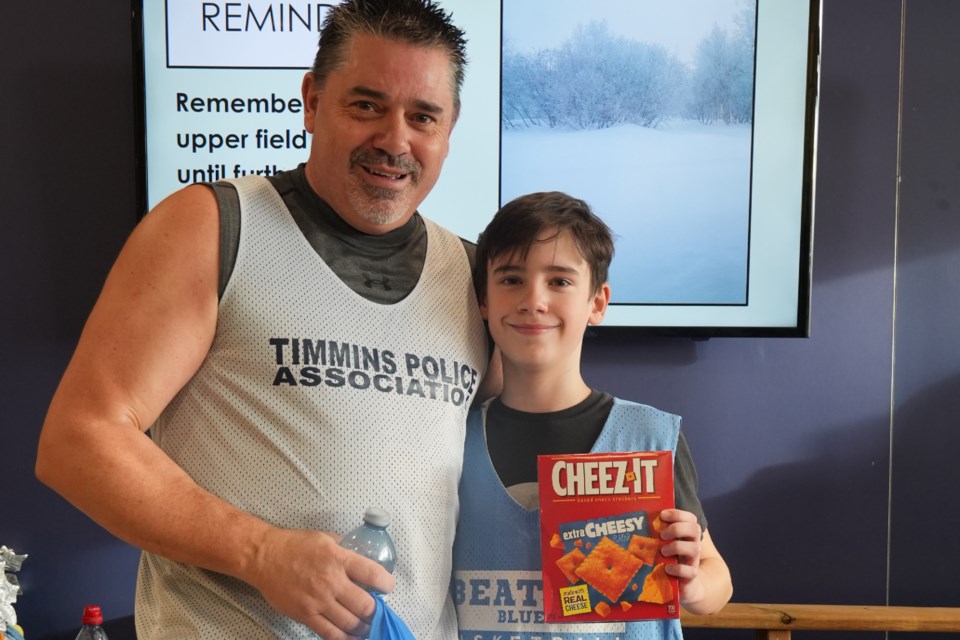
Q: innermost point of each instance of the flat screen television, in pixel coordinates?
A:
(689, 126)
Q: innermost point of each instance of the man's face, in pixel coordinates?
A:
(381, 130)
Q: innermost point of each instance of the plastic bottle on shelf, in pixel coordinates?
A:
(371, 539)
(91, 622)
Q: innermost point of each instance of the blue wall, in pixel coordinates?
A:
(825, 463)
(925, 435)
(68, 185)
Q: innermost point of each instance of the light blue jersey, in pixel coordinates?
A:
(497, 586)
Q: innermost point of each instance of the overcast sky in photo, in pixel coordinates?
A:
(678, 25)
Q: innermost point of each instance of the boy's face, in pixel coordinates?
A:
(539, 308)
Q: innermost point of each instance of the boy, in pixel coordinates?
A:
(541, 278)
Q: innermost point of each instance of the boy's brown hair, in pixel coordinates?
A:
(522, 221)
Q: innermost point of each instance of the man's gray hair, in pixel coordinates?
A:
(417, 22)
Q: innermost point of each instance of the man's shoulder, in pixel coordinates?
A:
(469, 247)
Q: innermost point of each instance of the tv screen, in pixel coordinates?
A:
(687, 125)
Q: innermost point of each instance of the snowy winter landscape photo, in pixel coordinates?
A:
(644, 109)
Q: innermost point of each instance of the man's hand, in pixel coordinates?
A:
(309, 577)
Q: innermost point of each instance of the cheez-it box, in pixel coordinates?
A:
(599, 536)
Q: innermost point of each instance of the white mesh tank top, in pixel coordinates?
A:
(313, 404)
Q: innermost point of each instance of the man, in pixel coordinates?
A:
(288, 384)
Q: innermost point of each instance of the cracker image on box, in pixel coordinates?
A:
(609, 568)
(657, 587)
(600, 540)
(644, 547)
(569, 563)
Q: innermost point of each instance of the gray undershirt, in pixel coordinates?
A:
(383, 268)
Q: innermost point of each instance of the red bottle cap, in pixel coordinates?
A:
(92, 615)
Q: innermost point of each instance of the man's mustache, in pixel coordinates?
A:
(377, 157)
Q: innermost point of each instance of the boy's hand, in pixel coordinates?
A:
(681, 536)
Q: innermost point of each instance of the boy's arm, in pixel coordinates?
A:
(705, 583)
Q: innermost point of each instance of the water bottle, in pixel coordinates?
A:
(91, 621)
(371, 539)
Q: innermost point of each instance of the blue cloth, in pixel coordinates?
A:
(386, 624)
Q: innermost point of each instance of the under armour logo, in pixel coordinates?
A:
(370, 281)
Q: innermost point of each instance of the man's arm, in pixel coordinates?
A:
(492, 383)
(147, 335)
